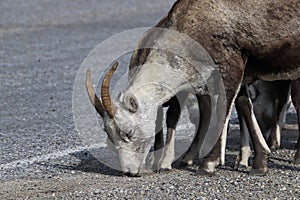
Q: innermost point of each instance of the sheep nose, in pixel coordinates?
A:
(132, 174)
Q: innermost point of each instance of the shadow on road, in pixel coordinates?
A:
(88, 163)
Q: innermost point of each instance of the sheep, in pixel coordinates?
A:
(241, 41)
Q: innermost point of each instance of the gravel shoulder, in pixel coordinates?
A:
(89, 179)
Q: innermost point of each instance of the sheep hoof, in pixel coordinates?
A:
(164, 170)
(202, 172)
(297, 161)
(182, 164)
(241, 167)
(258, 172)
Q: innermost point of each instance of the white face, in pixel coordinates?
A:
(132, 151)
(136, 113)
(135, 118)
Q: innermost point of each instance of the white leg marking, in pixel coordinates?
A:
(278, 134)
(245, 150)
(211, 166)
(169, 154)
(223, 141)
(259, 133)
(224, 132)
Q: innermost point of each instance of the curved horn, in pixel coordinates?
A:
(105, 96)
(92, 95)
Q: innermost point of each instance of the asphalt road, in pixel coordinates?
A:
(42, 45)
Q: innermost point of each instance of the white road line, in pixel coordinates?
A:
(54, 155)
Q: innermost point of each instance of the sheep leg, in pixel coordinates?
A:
(245, 150)
(226, 95)
(158, 141)
(245, 108)
(172, 117)
(281, 102)
(295, 94)
(204, 105)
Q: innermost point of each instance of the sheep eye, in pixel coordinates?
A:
(131, 103)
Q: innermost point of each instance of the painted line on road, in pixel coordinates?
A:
(26, 162)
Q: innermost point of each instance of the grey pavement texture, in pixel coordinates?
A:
(42, 45)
